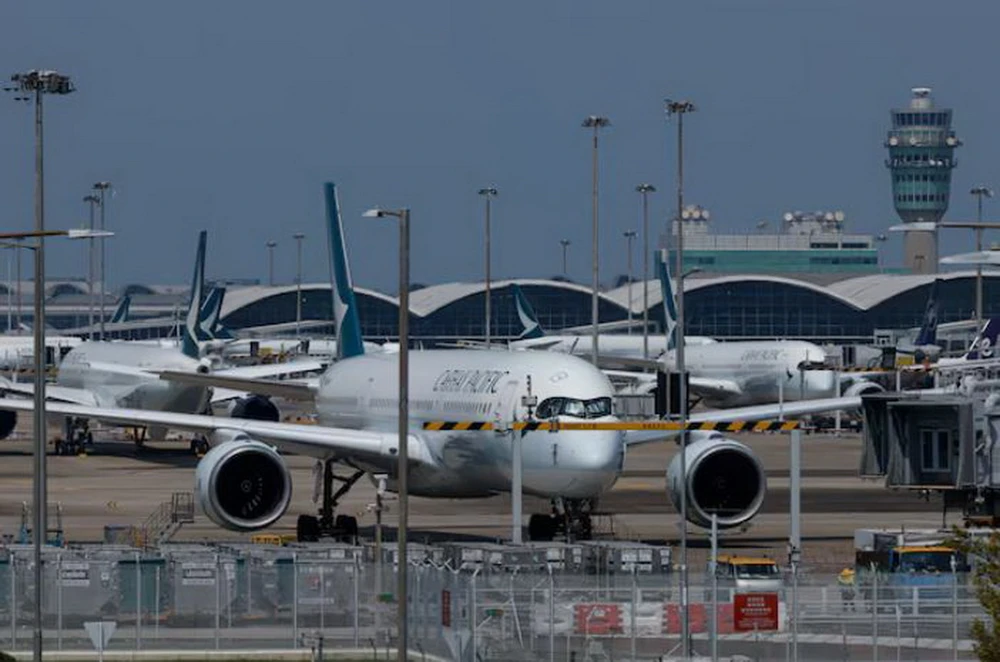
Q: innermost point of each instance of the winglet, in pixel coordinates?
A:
(531, 328)
(189, 337)
(669, 293)
(121, 312)
(345, 311)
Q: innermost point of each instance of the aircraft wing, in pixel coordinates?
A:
(54, 393)
(292, 389)
(271, 369)
(752, 413)
(311, 440)
(714, 388)
(604, 360)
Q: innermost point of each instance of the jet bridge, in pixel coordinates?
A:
(948, 443)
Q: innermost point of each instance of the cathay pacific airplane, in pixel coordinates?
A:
(243, 483)
(124, 374)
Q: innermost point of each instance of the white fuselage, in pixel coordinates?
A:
(18, 351)
(122, 374)
(613, 345)
(762, 371)
(468, 385)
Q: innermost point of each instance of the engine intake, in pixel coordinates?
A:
(256, 408)
(243, 485)
(724, 477)
(863, 387)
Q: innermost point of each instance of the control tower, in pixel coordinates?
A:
(921, 155)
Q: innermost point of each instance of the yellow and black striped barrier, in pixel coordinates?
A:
(555, 426)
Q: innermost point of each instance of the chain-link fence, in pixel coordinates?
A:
(246, 597)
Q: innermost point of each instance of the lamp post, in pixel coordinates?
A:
(488, 193)
(980, 192)
(644, 190)
(629, 236)
(34, 85)
(270, 262)
(101, 188)
(402, 469)
(298, 282)
(565, 245)
(91, 200)
(595, 122)
(681, 108)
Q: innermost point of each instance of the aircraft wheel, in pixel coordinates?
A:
(585, 528)
(307, 528)
(59, 447)
(347, 527)
(541, 527)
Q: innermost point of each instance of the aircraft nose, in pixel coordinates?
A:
(598, 459)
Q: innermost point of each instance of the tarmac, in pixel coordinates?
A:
(120, 484)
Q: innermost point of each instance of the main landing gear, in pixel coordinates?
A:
(199, 445)
(344, 528)
(569, 518)
(78, 438)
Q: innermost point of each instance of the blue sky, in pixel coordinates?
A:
(228, 116)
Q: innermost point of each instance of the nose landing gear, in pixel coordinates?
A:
(570, 518)
(78, 438)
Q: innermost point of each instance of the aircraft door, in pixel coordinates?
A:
(505, 405)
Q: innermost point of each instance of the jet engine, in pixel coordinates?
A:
(863, 387)
(243, 484)
(256, 408)
(723, 477)
(8, 421)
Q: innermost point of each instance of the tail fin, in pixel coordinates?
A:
(121, 312)
(529, 321)
(208, 317)
(345, 311)
(928, 331)
(985, 344)
(190, 332)
(218, 330)
(669, 292)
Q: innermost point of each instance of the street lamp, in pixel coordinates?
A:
(980, 192)
(36, 84)
(595, 122)
(681, 108)
(629, 236)
(489, 194)
(91, 200)
(270, 262)
(101, 188)
(298, 282)
(565, 244)
(644, 190)
(404, 415)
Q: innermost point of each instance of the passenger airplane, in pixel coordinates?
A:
(243, 483)
(124, 374)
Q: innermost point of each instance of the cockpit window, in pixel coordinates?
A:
(596, 408)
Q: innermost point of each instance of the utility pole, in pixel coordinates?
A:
(270, 262)
(644, 190)
(680, 108)
(91, 200)
(629, 236)
(565, 244)
(980, 192)
(595, 122)
(488, 193)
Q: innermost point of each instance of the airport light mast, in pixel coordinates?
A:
(34, 85)
(101, 188)
(488, 193)
(91, 200)
(980, 192)
(595, 122)
(629, 236)
(644, 190)
(402, 468)
(681, 108)
(565, 245)
(270, 262)
(299, 236)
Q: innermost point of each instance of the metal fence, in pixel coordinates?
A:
(241, 598)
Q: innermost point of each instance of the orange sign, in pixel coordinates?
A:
(755, 612)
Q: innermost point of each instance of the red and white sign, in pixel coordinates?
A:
(596, 619)
(755, 612)
(446, 608)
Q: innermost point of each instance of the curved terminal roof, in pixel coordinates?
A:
(240, 297)
(427, 300)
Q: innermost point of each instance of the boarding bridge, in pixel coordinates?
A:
(949, 443)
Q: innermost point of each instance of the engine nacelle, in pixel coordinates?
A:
(255, 408)
(8, 421)
(723, 477)
(243, 484)
(863, 387)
